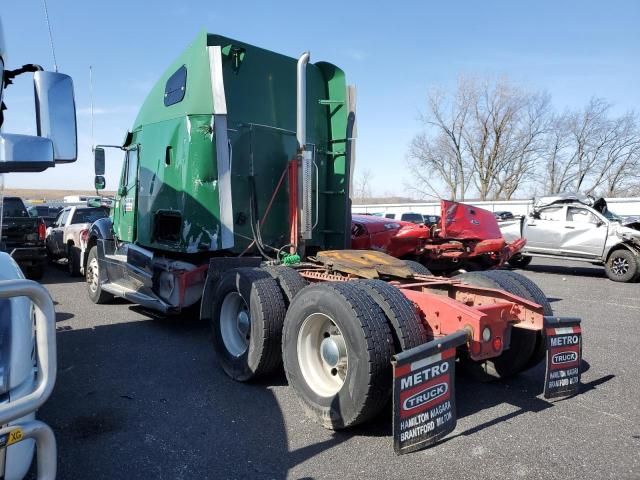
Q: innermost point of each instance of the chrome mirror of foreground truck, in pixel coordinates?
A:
(56, 125)
(56, 113)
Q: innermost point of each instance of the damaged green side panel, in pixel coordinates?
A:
(178, 199)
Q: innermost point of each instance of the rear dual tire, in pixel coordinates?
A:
(342, 374)
(247, 318)
(336, 340)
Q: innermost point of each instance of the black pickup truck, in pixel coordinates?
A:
(23, 237)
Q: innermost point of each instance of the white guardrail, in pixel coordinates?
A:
(45, 331)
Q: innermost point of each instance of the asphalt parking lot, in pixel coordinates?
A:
(138, 397)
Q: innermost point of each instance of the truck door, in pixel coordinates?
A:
(58, 231)
(127, 199)
(584, 234)
(543, 231)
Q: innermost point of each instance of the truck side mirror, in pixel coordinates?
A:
(56, 114)
(98, 161)
(25, 153)
(99, 182)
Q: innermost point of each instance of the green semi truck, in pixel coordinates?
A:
(233, 205)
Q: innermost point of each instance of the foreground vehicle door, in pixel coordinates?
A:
(584, 234)
(125, 211)
(544, 232)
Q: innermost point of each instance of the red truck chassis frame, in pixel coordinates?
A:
(447, 306)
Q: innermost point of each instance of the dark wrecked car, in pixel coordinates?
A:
(577, 227)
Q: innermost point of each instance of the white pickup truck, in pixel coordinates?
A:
(578, 228)
(67, 237)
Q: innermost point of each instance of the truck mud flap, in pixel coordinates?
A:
(564, 357)
(424, 408)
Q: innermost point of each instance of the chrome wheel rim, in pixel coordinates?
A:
(322, 354)
(620, 266)
(235, 324)
(93, 275)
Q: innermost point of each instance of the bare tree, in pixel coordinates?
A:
(362, 185)
(523, 144)
(617, 167)
(436, 156)
(591, 151)
(488, 136)
(558, 174)
(494, 140)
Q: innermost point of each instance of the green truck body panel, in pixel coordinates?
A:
(173, 203)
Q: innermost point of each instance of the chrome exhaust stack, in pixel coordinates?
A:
(305, 154)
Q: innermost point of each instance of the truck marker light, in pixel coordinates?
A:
(497, 344)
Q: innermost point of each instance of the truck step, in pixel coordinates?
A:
(116, 257)
(138, 297)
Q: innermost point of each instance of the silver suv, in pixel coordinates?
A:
(575, 227)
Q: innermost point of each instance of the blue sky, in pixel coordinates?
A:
(394, 52)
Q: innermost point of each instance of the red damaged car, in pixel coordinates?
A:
(466, 238)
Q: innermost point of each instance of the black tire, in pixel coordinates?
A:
(264, 304)
(622, 266)
(73, 261)
(35, 272)
(97, 295)
(366, 387)
(289, 280)
(51, 258)
(406, 326)
(535, 294)
(417, 267)
(523, 342)
(520, 261)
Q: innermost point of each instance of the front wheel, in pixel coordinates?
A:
(92, 275)
(622, 266)
(73, 261)
(520, 261)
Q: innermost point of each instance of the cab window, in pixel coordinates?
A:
(580, 215)
(62, 219)
(130, 174)
(175, 87)
(552, 213)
